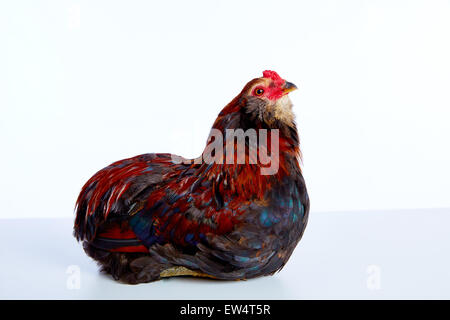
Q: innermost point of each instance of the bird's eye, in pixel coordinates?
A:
(259, 91)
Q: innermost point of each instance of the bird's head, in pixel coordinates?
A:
(266, 100)
(263, 104)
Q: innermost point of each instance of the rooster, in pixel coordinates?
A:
(159, 215)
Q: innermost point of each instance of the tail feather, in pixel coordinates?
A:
(118, 237)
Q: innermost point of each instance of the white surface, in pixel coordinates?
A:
(86, 83)
(409, 248)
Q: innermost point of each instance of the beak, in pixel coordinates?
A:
(288, 87)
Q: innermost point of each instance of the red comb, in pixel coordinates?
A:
(273, 75)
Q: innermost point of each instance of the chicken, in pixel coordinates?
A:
(224, 215)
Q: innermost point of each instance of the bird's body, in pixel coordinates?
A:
(158, 215)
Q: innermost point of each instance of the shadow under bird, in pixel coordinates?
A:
(158, 215)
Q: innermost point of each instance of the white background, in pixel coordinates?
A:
(86, 83)
(359, 255)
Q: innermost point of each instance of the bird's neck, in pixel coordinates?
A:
(277, 155)
(233, 122)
